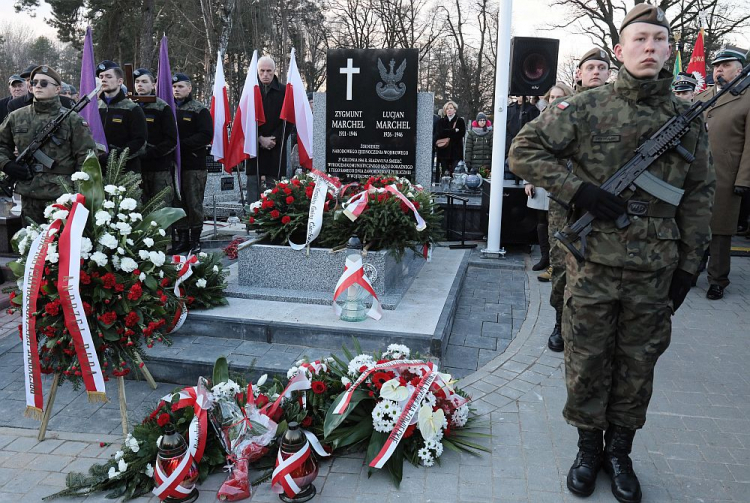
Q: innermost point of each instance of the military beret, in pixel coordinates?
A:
(645, 13)
(105, 65)
(14, 78)
(27, 72)
(180, 77)
(684, 82)
(730, 53)
(49, 72)
(143, 71)
(595, 53)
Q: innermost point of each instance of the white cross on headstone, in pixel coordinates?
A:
(349, 71)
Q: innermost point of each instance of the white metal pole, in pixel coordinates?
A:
(501, 112)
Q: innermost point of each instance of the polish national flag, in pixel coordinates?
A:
(296, 109)
(220, 116)
(697, 65)
(244, 143)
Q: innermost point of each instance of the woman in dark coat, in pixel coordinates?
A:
(453, 127)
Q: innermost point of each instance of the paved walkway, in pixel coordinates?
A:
(695, 446)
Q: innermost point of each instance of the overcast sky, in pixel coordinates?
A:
(529, 19)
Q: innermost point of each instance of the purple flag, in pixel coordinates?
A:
(164, 91)
(90, 112)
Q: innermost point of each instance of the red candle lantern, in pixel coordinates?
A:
(172, 450)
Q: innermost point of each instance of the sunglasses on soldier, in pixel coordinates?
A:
(42, 83)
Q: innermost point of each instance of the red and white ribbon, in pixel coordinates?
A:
(32, 282)
(353, 275)
(185, 265)
(317, 205)
(299, 382)
(356, 204)
(68, 279)
(169, 485)
(282, 481)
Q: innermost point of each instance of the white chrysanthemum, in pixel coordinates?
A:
(122, 216)
(266, 192)
(110, 205)
(124, 228)
(128, 204)
(157, 258)
(203, 255)
(130, 242)
(142, 276)
(86, 245)
(132, 443)
(429, 399)
(99, 258)
(19, 283)
(22, 245)
(116, 261)
(346, 381)
(384, 416)
(121, 189)
(460, 416)
(162, 233)
(121, 250)
(291, 372)
(256, 204)
(216, 268)
(65, 199)
(80, 175)
(154, 224)
(119, 455)
(358, 362)
(127, 264)
(161, 274)
(135, 217)
(108, 240)
(148, 242)
(397, 351)
(60, 214)
(48, 211)
(112, 473)
(225, 390)
(52, 255)
(143, 254)
(110, 189)
(149, 470)
(201, 283)
(122, 465)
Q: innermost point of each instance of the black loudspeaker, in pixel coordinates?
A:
(518, 221)
(533, 65)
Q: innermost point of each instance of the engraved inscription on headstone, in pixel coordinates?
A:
(227, 183)
(371, 112)
(212, 166)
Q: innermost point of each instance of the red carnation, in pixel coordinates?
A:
(275, 214)
(289, 199)
(131, 319)
(319, 387)
(109, 280)
(256, 210)
(119, 287)
(165, 282)
(380, 378)
(286, 219)
(252, 220)
(135, 292)
(85, 278)
(53, 308)
(287, 191)
(295, 182)
(274, 190)
(163, 419)
(108, 318)
(87, 309)
(306, 422)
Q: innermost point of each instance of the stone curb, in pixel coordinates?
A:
(62, 435)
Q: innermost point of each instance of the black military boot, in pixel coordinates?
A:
(619, 466)
(180, 242)
(195, 239)
(582, 475)
(555, 342)
(541, 230)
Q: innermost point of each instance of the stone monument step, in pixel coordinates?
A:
(192, 356)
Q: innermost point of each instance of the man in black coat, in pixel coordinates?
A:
(271, 135)
(519, 113)
(16, 88)
(28, 97)
(123, 120)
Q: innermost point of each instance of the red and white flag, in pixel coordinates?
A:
(244, 143)
(296, 109)
(220, 116)
(697, 65)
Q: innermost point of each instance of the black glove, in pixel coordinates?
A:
(599, 202)
(17, 171)
(739, 190)
(679, 287)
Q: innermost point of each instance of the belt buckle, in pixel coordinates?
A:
(638, 208)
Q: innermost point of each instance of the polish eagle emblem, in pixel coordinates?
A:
(391, 88)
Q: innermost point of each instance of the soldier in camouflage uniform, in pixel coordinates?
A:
(619, 301)
(157, 161)
(196, 132)
(593, 71)
(38, 185)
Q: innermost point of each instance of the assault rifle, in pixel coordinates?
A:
(33, 152)
(635, 171)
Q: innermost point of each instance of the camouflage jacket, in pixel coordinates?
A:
(20, 127)
(598, 131)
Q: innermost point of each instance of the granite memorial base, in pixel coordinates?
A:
(223, 189)
(274, 272)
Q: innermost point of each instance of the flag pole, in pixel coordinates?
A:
(257, 158)
(239, 183)
(281, 152)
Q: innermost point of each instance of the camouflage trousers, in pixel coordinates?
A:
(557, 254)
(193, 184)
(616, 324)
(34, 209)
(156, 181)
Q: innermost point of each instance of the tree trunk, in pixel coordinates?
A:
(145, 58)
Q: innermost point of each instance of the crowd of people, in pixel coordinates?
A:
(135, 120)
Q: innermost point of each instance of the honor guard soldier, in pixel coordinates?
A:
(196, 131)
(157, 162)
(593, 71)
(619, 300)
(39, 184)
(684, 86)
(123, 120)
(728, 123)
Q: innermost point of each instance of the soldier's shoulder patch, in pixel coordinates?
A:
(563, 105)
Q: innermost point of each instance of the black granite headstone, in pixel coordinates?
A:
(371, 112)
(212, 166)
